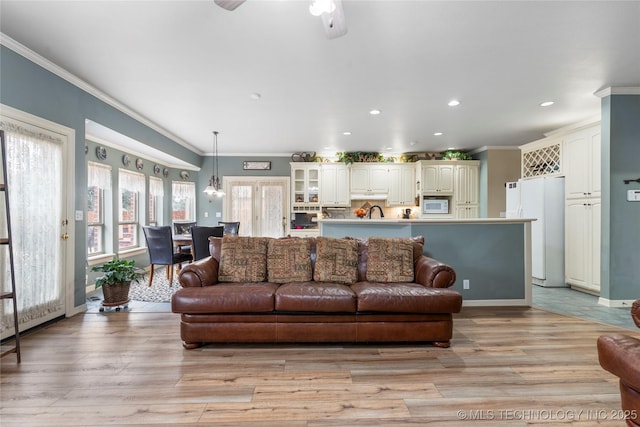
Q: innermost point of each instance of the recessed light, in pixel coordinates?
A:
(451, 148)
(255, 96)
(453, 103)
(546, 104)
(412, 143)
(438, 134)
(375, 112)
(346, 133)
(389, 148)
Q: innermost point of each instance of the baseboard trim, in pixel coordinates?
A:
(496, 303)
(615, 303)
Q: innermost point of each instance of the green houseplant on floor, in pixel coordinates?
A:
(116, 280)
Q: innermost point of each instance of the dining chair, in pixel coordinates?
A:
(232, 228)
(183, 227)
(200, 239)
(160, 246)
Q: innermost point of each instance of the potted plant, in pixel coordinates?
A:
(116, 280)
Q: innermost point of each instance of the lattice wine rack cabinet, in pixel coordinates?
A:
(542, 160)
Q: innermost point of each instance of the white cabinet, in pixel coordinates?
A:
(402, 185)
(582, 164)
(305, 184)
(369, 178)
(582, 159)
(334, 190)
(466, 196)
(437, 179)
(466, 211)
(582, 243)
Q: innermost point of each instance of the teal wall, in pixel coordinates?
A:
(30, 88)
(620, 256)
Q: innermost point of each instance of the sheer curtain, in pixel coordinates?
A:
(183, 201)
(35, 182)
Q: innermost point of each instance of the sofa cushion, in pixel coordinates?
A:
(316, 297)
(336, 260)
(243, 259)
(406, 298)
(390, 260)
(226, 298)
(289, 260)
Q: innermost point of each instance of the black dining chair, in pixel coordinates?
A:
(183, 227)
(232, 228)
(200, 239)
(160, 246)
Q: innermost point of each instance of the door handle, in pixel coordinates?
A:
(65, 236)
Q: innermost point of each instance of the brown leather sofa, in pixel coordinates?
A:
(418, 310)
(620, 355)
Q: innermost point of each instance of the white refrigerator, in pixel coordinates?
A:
(542, 199)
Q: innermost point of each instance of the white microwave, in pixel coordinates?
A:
(435, 206)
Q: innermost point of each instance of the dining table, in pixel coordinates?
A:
(181, 240)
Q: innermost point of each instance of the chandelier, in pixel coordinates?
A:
(214, 187)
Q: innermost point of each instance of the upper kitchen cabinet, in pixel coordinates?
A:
(305, 184)
(369, 178)
(437, 178)
(467, 190)
(402, 184)
(582, 159)
(334, 190)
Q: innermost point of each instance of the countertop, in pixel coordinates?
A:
(400, 221)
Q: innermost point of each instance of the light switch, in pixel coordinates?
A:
(633, 195)
(79, 215)
(206, 214)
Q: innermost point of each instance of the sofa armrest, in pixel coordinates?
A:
(635, 312)
(433, 273)
(620, 355)
(201, 273)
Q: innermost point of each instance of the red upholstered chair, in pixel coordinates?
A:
(620, 355)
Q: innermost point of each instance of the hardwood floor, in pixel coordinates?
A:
(506, 366)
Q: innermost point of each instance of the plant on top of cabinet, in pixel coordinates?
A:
(349, 157)
(455, 155)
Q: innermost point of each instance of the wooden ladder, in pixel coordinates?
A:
(6, 241)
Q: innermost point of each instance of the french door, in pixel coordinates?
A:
(261, 204)
(37, 166)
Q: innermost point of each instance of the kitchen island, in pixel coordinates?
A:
(491, 255)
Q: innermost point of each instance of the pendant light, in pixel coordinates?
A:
(214, 183)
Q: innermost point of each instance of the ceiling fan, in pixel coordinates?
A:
(330, 11)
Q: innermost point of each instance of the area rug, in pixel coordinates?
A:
(159, 291)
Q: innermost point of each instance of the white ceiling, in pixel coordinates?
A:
(191, 68)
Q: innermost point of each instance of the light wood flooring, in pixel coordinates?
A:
(506, 366)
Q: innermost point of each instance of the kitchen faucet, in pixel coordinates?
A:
(379, 208)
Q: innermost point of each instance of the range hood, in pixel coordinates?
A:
(368, 196)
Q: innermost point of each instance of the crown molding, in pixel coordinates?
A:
(617, 91)
(43, 62)
(493, 147)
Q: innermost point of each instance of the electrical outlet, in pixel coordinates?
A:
(218, 214)
(465, 284)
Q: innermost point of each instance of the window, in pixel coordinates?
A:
(98, 186)
(156, 195)
(131, 194)
(183, 203)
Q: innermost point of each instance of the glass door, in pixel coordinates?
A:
(259, 203)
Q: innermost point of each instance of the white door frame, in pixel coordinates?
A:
(68, 135)
(255, 180)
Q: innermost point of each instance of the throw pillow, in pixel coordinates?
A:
(289, 260)
(390, 260)
(336, 260)
(243, 259)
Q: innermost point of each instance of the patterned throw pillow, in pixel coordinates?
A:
(390, 260)
(243, 259)
(289, 260)
(336, 260)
